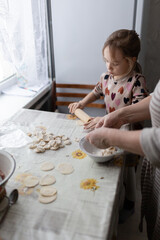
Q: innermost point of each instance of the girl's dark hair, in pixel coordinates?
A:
(128, 42)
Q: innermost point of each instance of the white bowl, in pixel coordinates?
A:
(7, 166)
(96, 153)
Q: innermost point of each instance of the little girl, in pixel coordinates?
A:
(122, 85)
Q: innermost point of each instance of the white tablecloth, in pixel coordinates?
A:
(77, 213)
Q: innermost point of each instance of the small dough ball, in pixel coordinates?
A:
(32, 146)
(67, 142)
(64, 138)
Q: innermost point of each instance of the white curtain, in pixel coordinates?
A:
(23, 39)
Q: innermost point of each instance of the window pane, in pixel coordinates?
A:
(6, 68)
(23, 43)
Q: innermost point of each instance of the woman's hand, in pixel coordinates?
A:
(106, 137)
(129, 114)
(92, 123)
(111, 120)
(73, 106)
(99, 137)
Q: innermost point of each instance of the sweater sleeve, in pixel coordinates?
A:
(150, 142)
(98, 90)
(139, 89)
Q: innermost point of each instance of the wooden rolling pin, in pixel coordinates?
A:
(84, 117)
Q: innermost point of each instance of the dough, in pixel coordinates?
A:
(44, 141)
(65, 168)
(47, 166)
(31, 181)
(47, 199)
(64, 138)
(48, 191)
(47, 180)
(32, 146)
(47, 146)
(67, 142)
(46, 138)
(109, 151)
(39, 149)
(54, 148)
(77, 139)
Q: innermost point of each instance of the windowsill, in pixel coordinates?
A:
(9, 104)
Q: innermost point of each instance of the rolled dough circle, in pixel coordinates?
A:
(65, 168)
(47, 180)
(47, 166)
(48, 191)
(31, 181)
(47, 199)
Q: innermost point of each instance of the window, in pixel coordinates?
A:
(7, 69)
(23, 42)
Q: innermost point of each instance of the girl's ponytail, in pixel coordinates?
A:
(137, 68)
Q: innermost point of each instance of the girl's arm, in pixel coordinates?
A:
(88, 99)
(81, 104)
(91, 97)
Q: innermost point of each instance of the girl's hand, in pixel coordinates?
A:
(73, 106)
(99, 137)
(92, 123)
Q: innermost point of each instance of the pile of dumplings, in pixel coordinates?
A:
(43, 141)
(109, 151)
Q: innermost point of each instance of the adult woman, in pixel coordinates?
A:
(145, 142)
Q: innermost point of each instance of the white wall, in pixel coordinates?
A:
(80, 28)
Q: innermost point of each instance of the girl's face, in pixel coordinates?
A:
(116, 63)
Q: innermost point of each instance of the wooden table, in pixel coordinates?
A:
(77, 213)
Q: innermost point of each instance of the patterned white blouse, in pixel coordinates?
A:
(122, 92)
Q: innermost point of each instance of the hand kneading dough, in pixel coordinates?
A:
(46, 166)
(47, 199)
(31, 181)
(65, 168)
(47, 180)
(48, 191)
